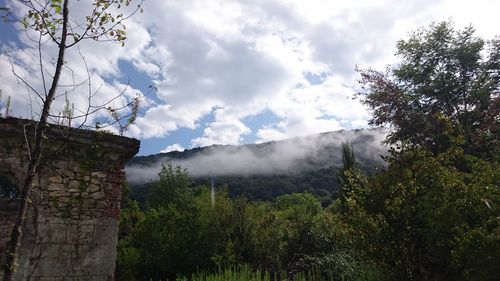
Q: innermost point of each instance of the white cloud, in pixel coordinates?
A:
(235, 59)
(87, 89)
(173, 147)
(226, 129)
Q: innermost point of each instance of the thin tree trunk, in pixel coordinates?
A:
(26, 191)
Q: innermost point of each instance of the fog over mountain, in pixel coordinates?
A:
(287, 157)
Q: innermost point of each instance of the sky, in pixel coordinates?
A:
(228, 72)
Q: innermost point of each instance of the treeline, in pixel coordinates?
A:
(432, 214)
(181, 232)
(321, 183)
(422, 219)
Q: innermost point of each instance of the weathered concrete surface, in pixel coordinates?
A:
(71, 229)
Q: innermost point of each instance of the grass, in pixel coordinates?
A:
(245, 273)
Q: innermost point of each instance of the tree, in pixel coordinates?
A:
(180, 231)
(295, 213)
(423, 219)
(432, 214)
(128, 255)
(171, 188)
(52, 22)
(348, 166)
(445, 90)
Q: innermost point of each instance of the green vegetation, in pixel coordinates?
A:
(432, 214)
(180, 233)
(245, 273)
(444, 93)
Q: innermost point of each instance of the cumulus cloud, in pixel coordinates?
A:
(226, 129)
(173, 147)
(232, 60)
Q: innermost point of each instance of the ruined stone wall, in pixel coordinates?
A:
(7, 220)
(72, 225)
(8, 212)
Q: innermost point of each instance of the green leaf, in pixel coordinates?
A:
(56, 7)
(24, 22)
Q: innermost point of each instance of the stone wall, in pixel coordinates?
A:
(72, 224)
(8, 212)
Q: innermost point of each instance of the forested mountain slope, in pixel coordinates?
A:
(264, 171)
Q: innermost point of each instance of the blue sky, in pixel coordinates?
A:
(232, 72)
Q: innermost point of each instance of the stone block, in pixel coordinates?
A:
(96, 181)
(76, 184)
(55, 187)
(56, 179)
(98, 175)
(57, 193)
(63, 199)
(93, 188)
(102, 204)
(87, 204)
(97, 196)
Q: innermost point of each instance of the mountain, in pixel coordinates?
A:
(264, 171)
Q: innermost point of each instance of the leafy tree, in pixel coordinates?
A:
(433, 213)
(164, 240)
(223, 229)
(131, 217)
(295, 213)
(420, 218)
(443, 92)
(331, 252)
(169, 242)
(173, 187)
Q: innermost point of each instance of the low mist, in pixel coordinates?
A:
(285, 157)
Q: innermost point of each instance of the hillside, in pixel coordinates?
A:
(264, 171)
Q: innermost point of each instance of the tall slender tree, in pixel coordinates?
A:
(348, 165)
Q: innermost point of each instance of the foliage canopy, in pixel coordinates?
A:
(445, 91)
